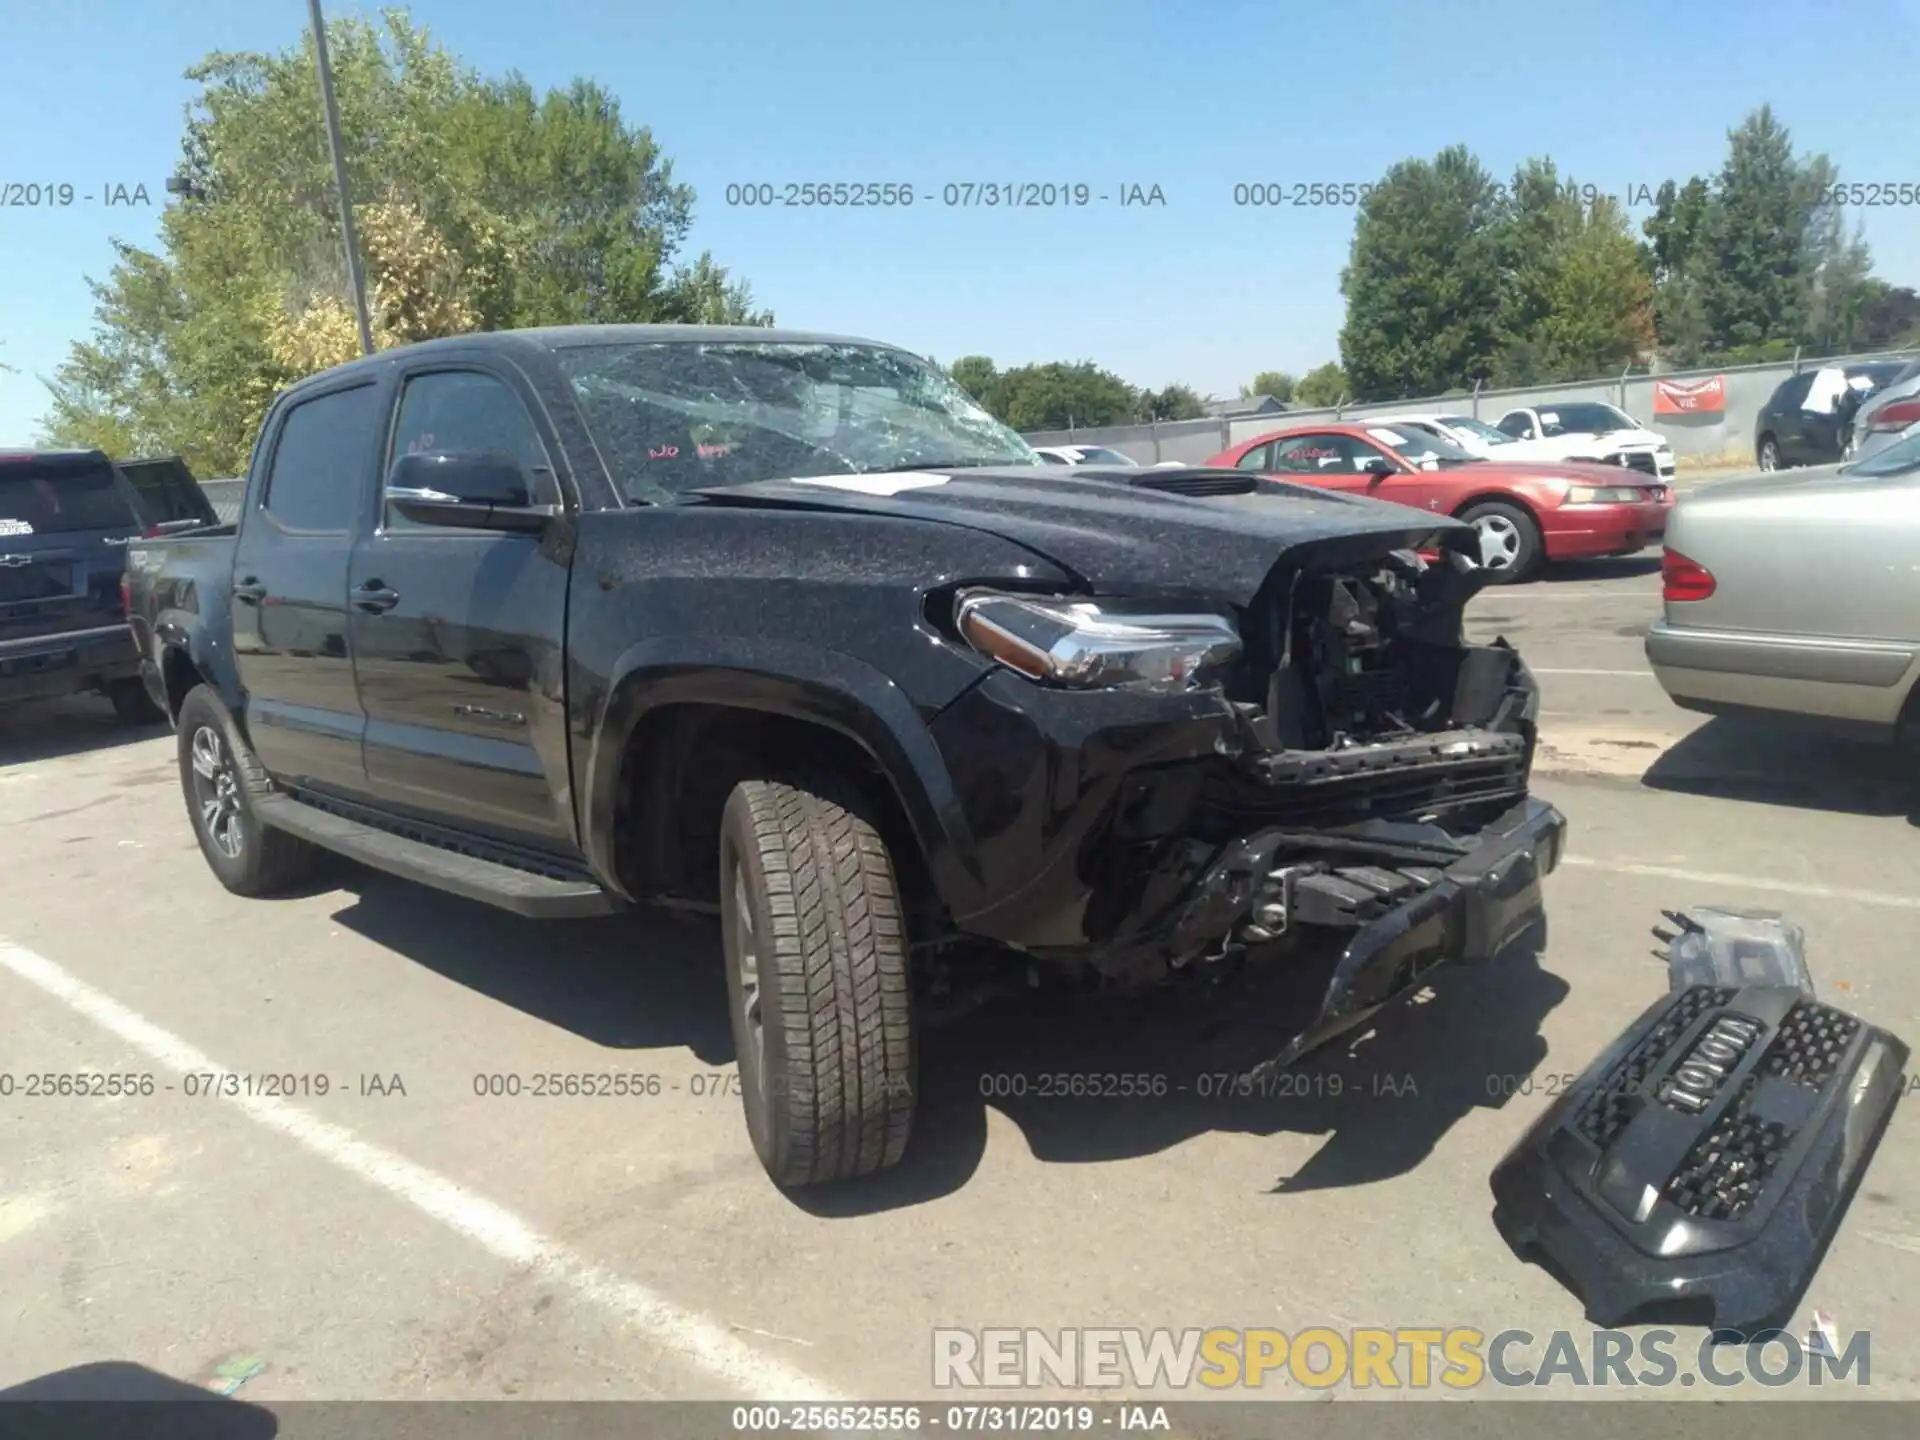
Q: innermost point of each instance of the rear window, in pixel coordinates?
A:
(57, 497)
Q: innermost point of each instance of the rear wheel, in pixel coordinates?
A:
(1769, 453)
(816, 955)
(131, 703)
(220, 777)
(1510, 545)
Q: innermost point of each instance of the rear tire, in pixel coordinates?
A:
(1511, 549)
(132, 705)
(219, 777)
(816, 955)
(1768, 455)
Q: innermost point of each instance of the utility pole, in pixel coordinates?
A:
(352, 237)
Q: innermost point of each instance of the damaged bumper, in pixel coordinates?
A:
(1418, 898)
(1703, 1163)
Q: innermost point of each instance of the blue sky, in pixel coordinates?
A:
(1193, 97)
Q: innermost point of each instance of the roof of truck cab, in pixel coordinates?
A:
(567, 337)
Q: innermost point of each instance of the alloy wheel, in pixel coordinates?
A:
(216, 793)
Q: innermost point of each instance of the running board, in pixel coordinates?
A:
(539, 897)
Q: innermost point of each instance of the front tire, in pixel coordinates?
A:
(816, 955)
(1511, 548)
(1769, 454)
(219, 777)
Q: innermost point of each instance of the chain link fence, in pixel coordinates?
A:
(1722, 433)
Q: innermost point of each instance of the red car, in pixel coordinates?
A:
(1527, 514)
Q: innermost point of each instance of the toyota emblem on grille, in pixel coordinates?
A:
(1698, 1078)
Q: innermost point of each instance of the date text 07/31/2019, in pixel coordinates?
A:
(953, 195)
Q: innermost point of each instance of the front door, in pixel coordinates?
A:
(1334, 460)
(289, 601)
(458, 635)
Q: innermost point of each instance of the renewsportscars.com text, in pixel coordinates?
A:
(1456, 1358)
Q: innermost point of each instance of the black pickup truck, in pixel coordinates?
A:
(786, 628)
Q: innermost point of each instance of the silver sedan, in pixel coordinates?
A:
(1798, 593)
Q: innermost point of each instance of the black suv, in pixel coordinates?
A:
(785, 628)
(66, 517)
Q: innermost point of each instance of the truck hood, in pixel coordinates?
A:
(1120, 538)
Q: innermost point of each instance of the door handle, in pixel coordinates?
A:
(375, 598)
(249, 590)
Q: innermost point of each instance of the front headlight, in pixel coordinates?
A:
(1605, 495)
(1060, 640)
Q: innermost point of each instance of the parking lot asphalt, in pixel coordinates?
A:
(405, 1234)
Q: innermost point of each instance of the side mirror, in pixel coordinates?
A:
(1379, 469)
(468, 490)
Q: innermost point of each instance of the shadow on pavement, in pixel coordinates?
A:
(1780, 763)
(1620, 567)
(638, 981)
(117, 1400)
(46, 730)
(1162, 1064)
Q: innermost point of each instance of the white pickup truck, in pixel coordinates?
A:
(1577, 430)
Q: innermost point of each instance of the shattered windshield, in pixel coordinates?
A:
(674, 416)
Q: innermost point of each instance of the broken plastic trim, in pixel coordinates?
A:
(1700, 1167)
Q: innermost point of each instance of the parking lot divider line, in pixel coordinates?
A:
(704, 1343)
(1748, 882)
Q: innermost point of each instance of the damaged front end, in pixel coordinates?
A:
(1359, 777)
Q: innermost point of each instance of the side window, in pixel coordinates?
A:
(1518, 424)
(1792, 392)
(1317, 454)
(1260, 457)
(455, 411)
(313, 482)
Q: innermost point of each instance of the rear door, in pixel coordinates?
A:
(312, 473)
(458, 635)
(65, 521)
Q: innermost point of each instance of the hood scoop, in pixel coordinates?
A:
(1195, 482)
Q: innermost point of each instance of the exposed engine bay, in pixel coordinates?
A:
(1378, 753)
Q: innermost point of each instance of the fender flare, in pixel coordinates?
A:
(802, 682)
(201, 651)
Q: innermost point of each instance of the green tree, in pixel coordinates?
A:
(1675, 257)
(1277, 383)
(1888, 316)
(1423, 280)
(1578, 300)
(481, 205)
(1756, 240)
(1060, 395)
(1175, 402)
(975, 375)
(1323, 386)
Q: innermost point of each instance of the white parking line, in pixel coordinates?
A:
(1765, 883)
(1641, 674)
(1503, 594)
(705, 1343)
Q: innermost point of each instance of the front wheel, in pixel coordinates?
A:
(220, 777)
(816, 956)
(1769, 456)
(1510, 545)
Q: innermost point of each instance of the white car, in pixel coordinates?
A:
(1585, 430)
(1083, 455)
(1518, 436)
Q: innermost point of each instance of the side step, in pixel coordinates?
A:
(539, 897)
